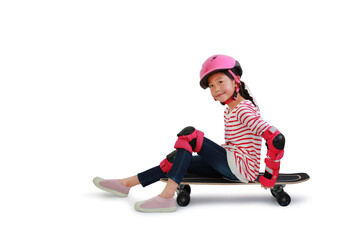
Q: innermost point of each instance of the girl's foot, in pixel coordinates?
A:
(112, 186)
(156, 204)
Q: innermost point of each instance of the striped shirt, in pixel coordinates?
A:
(243, 129)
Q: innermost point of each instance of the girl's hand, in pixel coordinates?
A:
(265, 187)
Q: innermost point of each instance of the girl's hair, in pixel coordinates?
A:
(243, 90)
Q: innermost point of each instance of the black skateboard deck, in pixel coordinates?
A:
(184, 189)
(283, 178)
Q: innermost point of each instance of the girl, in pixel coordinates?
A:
(237, 159)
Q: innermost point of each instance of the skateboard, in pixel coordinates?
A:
(184, 190)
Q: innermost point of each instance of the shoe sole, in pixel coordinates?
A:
(96, 182)
(153, 210)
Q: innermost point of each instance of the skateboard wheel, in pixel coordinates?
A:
(283, 199)
(274, 193)
(183, 199)
(187, 189)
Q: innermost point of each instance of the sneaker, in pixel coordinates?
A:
(112, 186)
(156, 204)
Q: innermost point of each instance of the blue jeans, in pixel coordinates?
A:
(211, 161)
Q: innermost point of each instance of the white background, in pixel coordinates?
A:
(101, 88)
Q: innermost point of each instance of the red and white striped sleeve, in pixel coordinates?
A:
(251, 118)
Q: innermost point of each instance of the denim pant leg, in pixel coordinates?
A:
(181, 163)
(212, 155)
(151, 176)
(201, 168)
(216, 157)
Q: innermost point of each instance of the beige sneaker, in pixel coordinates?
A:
(156, 204)
(112, 186)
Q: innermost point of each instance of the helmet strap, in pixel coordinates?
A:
(235, 94)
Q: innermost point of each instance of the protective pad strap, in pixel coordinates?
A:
(192, 142)
(275, 142)
(269, 132)
(272, 164)
(269, 177)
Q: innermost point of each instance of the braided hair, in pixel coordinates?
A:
(243, 90)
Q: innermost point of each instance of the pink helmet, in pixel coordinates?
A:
(217, 63)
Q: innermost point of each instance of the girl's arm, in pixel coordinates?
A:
(275, 142)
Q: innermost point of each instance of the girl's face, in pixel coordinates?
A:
(221, 86)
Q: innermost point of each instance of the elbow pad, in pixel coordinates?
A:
(275, 142)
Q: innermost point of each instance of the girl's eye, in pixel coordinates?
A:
(220, 82)
(210, 86)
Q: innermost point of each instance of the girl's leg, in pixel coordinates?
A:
(121, 187)
(165, 202)
(151, 176)
(181, 163)
(216, 157)
(130, 181)
(200, 167)
(113, 186)
(211, 161)
(169, 190)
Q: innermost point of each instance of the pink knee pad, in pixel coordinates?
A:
(190, 139)
(167, 163)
